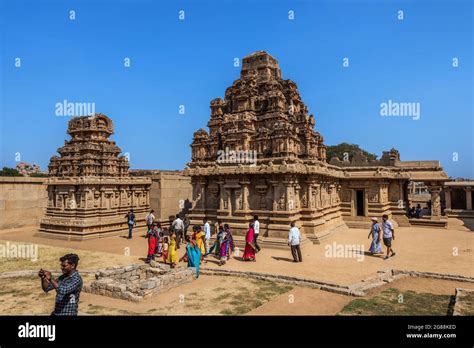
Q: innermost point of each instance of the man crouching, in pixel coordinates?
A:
(68, 286)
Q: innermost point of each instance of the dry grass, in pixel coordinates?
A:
(48, 258)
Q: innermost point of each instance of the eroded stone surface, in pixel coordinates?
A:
(137, 281)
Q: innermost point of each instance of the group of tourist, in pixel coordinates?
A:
(166, 243)
(379, 232)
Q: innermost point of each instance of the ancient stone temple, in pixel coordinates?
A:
(262, 156)
(89, 189)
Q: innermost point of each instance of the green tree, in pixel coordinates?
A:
(9, 172)
(342, 149)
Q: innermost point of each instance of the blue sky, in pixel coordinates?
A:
(190, 62)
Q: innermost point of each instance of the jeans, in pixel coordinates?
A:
(255, 236)
(130, 228)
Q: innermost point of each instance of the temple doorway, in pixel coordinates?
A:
(360, 202)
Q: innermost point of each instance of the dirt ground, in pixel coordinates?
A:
(211, 295)
(206, 295)
(418, 248)
(421, 249)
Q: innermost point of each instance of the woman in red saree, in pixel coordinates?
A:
(249, 252)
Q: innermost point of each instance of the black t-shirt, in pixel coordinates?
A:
(130, 217)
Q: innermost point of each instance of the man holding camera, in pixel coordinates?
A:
(68, 286)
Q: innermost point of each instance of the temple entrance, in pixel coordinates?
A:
(360, 202)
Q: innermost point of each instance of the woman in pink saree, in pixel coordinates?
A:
(249, 252)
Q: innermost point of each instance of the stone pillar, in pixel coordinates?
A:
(366, 202)
(309, 192)
(435, 201)
(317, 202)
(274, 183)
(102, 197)
(229, 200)
(468, 198)
(447, 198)
(297, 196)
(221, 195)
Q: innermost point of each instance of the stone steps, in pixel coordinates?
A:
(422, 222)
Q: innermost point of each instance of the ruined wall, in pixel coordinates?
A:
(22, 201)
(170, 193)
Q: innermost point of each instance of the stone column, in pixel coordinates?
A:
(102, 197)
(366, 202)
(221, 195)
(274, 183)
(468, 198)
(289, 204)
(435, 201)
(447, 198)
(309, 192)
(297, 196)
(317, 202)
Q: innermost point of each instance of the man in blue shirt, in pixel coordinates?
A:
(388, 235)
(68, 286)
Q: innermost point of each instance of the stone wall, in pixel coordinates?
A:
(138, 281)
(171, 193)
(22, 201)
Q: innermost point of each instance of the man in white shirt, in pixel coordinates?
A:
(207, 234)
(388, 236)
(256, 229)
(294, 239)
(178, 228)
(150, 218)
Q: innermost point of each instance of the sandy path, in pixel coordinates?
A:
(422, 249)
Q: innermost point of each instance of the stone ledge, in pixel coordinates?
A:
(454, 277)
(357, 289)
(460, 306)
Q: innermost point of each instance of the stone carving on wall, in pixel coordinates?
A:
(373, 195)
(346, 195)
(394, 192)
(239, 200)
(384, 194)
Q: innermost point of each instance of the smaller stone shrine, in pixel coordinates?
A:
(89, 188)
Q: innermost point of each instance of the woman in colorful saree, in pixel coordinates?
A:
(172, 258)
(227, 245)
(152, 238)
(193, 253)
(249, 252)
(199, 238)
(375, 231)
